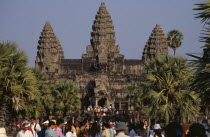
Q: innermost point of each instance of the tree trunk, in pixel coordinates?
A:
(3, 114)
(174, 52)
(138, 116)
(206, 112)
(7, 118)
(167, 121)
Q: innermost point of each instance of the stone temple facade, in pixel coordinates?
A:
(102, 74)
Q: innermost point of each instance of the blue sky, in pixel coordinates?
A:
(23, 20)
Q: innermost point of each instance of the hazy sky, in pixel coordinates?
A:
(22, 21)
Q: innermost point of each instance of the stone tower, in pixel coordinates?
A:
(103, 50)
(156, 44)
(49, 52)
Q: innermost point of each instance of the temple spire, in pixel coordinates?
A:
(103, 52)
(50, 51)
(156, 44)
(103, 29)
(48, 38)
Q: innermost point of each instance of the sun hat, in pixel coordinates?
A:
(121, 126)
(25, 124)
(45, 122)
(54, 121)
(157, 126)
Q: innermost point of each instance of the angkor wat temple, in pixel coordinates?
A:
(102, 74)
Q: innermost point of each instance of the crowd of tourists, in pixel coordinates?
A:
(102, 128)
(103, 111)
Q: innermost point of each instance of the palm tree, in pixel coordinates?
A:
(43, 97)
(133, 93)
(202, 63)
(205, 11)
(165, 90)
(17, 81)
(174, 38)
(67, 98)
(136, 97)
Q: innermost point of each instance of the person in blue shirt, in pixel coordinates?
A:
(50, 132)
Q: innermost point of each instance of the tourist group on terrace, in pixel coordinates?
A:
(110, 128)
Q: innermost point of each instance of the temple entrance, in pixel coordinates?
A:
(102, 102)
(124, 106)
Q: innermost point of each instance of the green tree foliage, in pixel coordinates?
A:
(174, 38)
(67, 99)
(42, 104)
(202, 63)
(135, 96)
(205, 11)
(17, 81)
(165, 93)
(26, 91)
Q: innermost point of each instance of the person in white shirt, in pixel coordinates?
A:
(70, 131)
(25, 132)
(35, 127)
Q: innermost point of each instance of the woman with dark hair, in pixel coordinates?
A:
(142, 131)
(77, 128)
(70, 132)
(50, 132)
(173, 129)
(196, 130)
(94, 130)
(58, 129)
(158, 133)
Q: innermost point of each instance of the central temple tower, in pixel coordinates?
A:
(103, 51)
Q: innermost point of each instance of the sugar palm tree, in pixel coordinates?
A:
(17, 81)
(67, 98)
(44, 98)
(205, 12)
(174, 38)
(165, 90)
(136, 97)
(202, 63)
(135, 94)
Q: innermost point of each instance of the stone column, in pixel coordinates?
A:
(107, 102)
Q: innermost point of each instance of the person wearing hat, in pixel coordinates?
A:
(25, 132)
(121, 129)
(50, 132)
(44, 128)
(157, 131)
